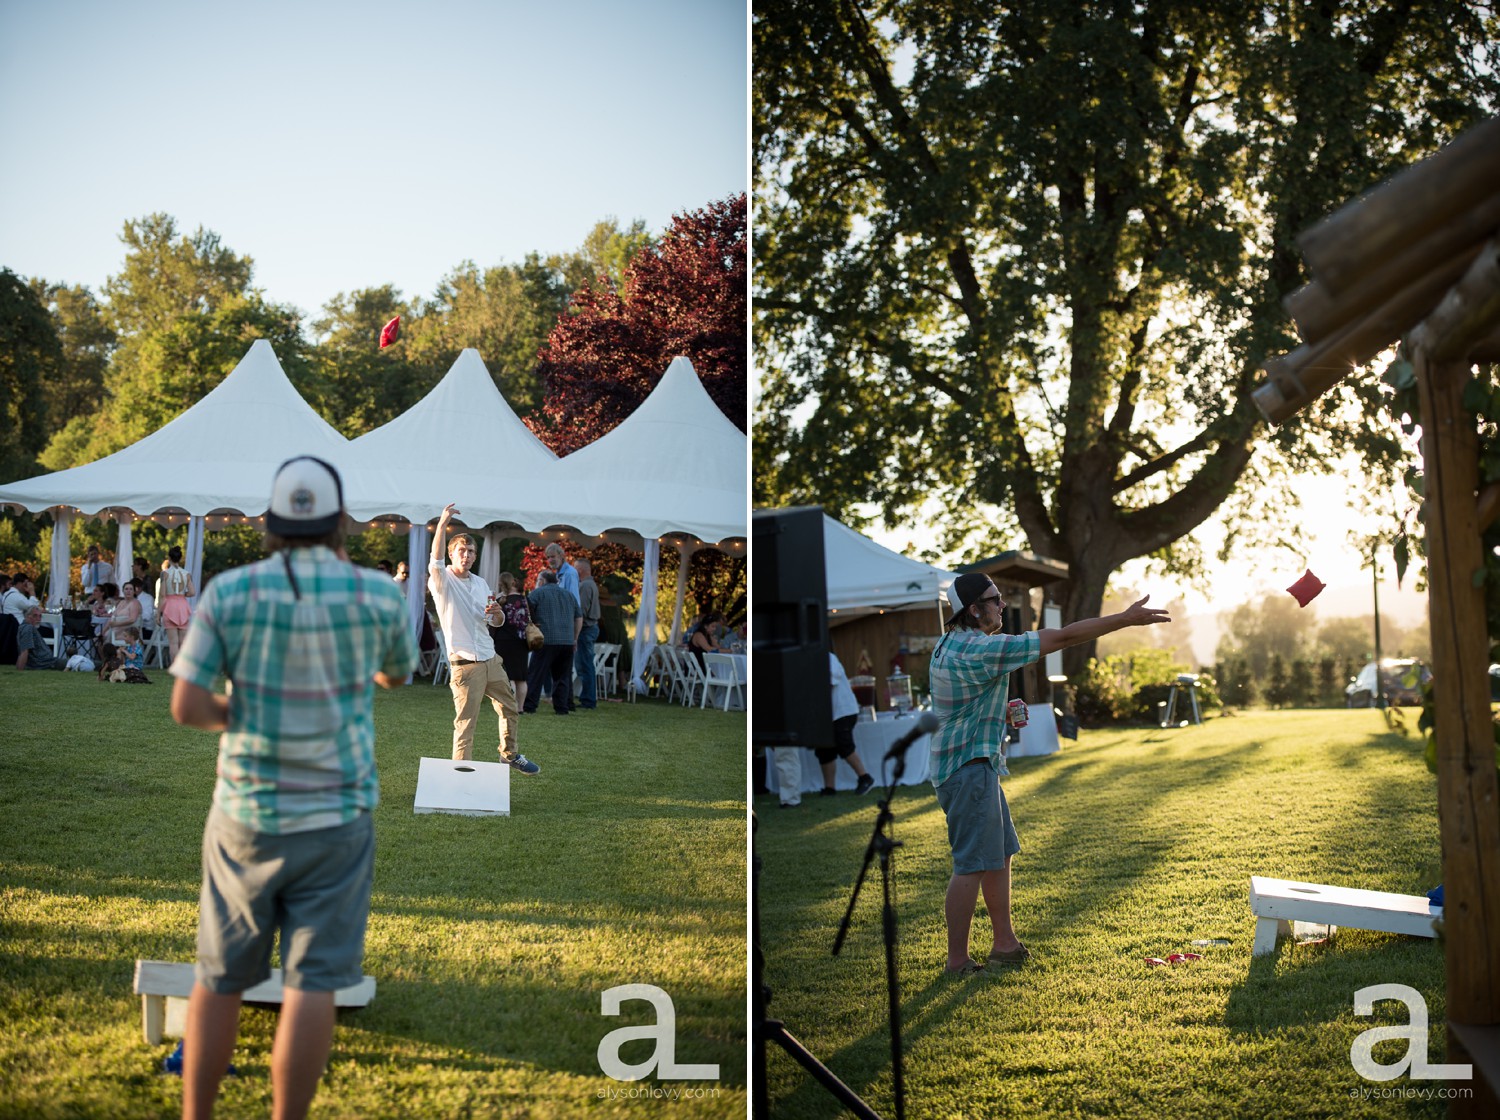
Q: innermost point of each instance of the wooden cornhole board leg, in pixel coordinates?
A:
(164, 987)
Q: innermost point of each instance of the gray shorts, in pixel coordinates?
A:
(980, 831)
(312, 886)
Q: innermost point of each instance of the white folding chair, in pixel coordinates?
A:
(606, 657)
(721, 672)
(660, 671)
(693, 682)
(157, 648)
(442, 670)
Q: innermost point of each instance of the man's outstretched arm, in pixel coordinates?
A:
(1087, 629)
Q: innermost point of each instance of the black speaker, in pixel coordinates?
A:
(789, 628)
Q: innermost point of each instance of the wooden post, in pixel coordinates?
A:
(1469, 815)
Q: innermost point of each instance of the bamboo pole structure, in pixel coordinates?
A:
(1354, 240)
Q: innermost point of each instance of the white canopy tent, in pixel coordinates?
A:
(217, 458)
(865, 577)
(461, 443)
(676, 465)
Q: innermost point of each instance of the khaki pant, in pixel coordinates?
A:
(471, 684)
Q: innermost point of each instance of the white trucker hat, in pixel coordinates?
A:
(307, 498)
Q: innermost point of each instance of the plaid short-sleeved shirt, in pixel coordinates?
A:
(970, 674)
(299, 752)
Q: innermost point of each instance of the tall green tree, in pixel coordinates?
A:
(505, 312)
(1023, 262)
(30, 357)
(87, 344)
(353, 384)
(185, 313)
(606, 253)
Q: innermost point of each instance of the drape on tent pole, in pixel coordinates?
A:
(417, 544)
(489, 559)
(124, 550)
(645, 616)
(682, 571)
(62, 560)
(192, 558)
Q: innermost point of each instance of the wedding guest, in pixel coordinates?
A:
(172, 591)
(94, 571)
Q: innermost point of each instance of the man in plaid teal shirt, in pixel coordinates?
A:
(303, 638)
(970, 671)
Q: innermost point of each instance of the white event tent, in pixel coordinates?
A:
(865, 577)
(675, 467)
(216, 460)
(461, 443)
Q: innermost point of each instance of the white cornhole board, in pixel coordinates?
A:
(463, 786)
(1278, 903)
(164, 987)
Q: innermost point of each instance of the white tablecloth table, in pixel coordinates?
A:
(871, 741)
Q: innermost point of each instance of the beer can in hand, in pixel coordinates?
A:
(1016, 714)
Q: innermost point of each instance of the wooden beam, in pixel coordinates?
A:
(1353, 241)
(1468, 810)
(1310, 371)
(1468, 314)
(1318, 312)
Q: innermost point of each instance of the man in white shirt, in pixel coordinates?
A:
(95, 571)
(466, 611)
(20, 598)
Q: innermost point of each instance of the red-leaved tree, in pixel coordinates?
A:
(684, 295)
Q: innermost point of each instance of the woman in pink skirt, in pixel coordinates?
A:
(172, 591)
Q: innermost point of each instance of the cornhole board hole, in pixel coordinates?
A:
(463, 786)
(164, 987)
(1279, 904)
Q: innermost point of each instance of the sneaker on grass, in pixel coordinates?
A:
(866, 784)
(522, 763)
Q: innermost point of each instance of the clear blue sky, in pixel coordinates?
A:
(346, 145)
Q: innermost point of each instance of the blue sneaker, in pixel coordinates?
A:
(523, 764)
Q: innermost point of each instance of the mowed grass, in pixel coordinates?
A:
(490, 939)
(1135, 844)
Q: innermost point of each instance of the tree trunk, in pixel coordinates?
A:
(1083, 597)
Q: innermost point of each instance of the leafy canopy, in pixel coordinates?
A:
(1023, 263)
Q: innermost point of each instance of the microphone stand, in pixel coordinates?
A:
(882, 842)
(767, 1030)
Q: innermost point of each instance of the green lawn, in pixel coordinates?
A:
(490, 940)
(1135, 843)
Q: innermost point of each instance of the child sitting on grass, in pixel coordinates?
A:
(133, 648)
